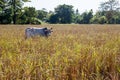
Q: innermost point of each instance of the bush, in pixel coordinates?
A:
(102, 20)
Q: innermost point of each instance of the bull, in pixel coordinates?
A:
(33, 31)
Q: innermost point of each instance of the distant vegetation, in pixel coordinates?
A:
(12, 12)
(73, 52)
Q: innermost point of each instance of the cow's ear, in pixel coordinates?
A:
(51, 28)
(45, 28)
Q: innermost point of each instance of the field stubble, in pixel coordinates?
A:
(72, 52)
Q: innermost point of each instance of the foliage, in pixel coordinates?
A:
(110, 8)
(77, 17)
(16, 6)
(54, 18)
(64, 13)
(13, 12)
(117, 18)
(13, 7)
(94, 20)
(35, 21)
(5, 12)
(86, 17)
(42, 14)
(102, 20)
(29, 14)
(110, 5)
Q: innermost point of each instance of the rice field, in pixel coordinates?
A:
(72, 52)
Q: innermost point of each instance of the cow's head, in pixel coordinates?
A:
(48, 32)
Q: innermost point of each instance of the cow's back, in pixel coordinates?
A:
(39, 31)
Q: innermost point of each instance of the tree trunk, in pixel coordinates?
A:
(14, 11)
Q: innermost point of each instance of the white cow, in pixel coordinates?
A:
(33, 31)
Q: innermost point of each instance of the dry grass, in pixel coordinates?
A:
(73, 52)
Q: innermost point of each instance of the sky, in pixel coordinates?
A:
(81, 5)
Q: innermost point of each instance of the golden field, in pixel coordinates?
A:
(72, 52)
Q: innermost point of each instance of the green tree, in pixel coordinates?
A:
(29, 16)
(42, 14)
(99, 18)
(64, 13)
(10, 10)
(54, 19)
(94, 20)
(117, 18)
(102, 20)
(77, 17)
(16, 6)
(110, 8)
(5, 12)
(86, 17)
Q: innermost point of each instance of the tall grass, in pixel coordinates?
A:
(72, 52)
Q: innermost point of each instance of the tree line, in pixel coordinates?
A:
(13, 12)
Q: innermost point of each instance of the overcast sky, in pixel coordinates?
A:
(81, 5)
